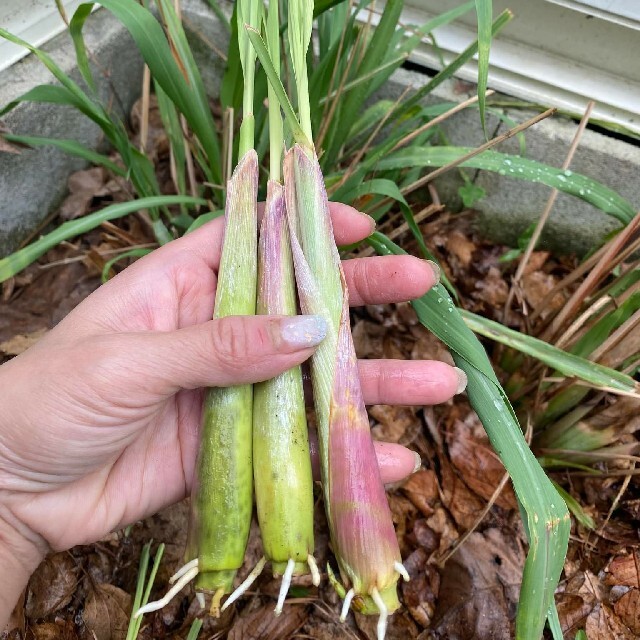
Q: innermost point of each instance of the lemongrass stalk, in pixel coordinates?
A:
(222, 493)
(284, 494)
(282, 464)
(222, 498)
(358, 513)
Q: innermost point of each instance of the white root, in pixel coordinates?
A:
(177, 587)
(182, 570)
(384, 613)
(201, 599)
(284, 587)
(402, 570)
(315, 573)
(244, 587)
(346, 604)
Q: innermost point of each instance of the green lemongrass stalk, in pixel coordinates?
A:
(284, 492)
(362, 531)
(222, 495)
(222, 499)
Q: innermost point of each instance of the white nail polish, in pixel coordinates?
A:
(301, 332)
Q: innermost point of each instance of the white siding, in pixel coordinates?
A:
(550, 54)
(35, 21)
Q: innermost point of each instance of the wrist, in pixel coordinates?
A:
(21, 551)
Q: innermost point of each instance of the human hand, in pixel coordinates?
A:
(99, 420)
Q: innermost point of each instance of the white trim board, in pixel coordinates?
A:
(537, 57)
(35, 21)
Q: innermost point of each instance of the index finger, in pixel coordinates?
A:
(349, 226)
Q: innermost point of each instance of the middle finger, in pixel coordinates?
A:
(385, 279)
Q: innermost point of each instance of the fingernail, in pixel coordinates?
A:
(372, 222)
(300, 332)
(462, 380)
(436, 270)
(418, 465)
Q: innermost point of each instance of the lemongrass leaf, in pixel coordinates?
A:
(547, 520)
(75, 30)
(17, 261)
(72, 147)
(512, 166)
(566, 363)
(576, 508)
(76, 96)
(449, 71)
(274, 79)
(483, 11)
(188, 93)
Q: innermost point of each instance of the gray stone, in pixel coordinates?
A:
(33, 183)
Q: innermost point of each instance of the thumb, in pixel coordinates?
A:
(225, 352)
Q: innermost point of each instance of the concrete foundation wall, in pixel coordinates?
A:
(33, 183)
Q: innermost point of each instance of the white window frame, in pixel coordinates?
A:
(552, 73)
(35, 21)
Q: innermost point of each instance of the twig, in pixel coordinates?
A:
(599, 272)
(452, 165)
(437, 120)
(494, 496)
(533, 241)
(427, 212)
(144, 109)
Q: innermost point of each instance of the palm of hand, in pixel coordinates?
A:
(103, 416)
(117, 444)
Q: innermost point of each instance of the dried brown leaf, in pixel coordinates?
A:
(624, 570)
(460, 247)
(58, 630)
(52, 586)
(573, 610)
(479, 589)
(628, 610)
(477, 463)
(604, 624)
(420, 594)
(462, 503)
(394, 424)
(106, 612)
(422, 489)
(261, 623)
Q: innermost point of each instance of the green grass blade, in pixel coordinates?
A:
(68, 146)
(75, 30)
(195, 629)
(566, 363)
(17, 261)
(140, 582)
(483, 11)
(61, 95)
(566, 180)
(203, 219)
(576, 508)
(78, 97)
(188, 93)
(461, 59)
(132, 253)
(546, 516)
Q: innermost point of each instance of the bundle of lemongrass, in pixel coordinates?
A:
(296, 230)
